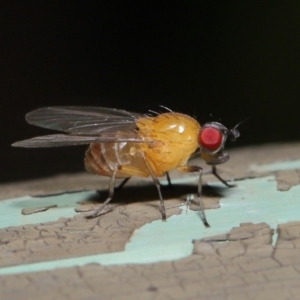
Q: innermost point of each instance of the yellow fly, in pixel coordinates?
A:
(125, 144)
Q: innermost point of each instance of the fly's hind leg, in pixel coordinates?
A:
(120, 186)
(96, 213)
(126, 169)
(192, 169)
(214, 171)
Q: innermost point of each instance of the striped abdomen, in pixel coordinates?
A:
(104, 158)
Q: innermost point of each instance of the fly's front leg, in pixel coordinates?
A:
(109, 198)
(214, 171)
(192, 169)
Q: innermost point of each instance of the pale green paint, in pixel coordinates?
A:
(254, 200)
(10, 210)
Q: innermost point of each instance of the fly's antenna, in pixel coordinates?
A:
(166, 108)
(238, 124)
(234, 133)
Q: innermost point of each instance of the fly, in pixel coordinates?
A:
(123, 144)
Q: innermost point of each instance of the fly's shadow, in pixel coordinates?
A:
(148, 193)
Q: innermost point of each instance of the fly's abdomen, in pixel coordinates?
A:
(104, 158)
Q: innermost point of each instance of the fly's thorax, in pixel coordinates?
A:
(172, 126)
(174, 138)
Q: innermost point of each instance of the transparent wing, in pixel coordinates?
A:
(56, 140)
(83, 120)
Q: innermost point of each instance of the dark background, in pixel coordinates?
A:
(231, 59)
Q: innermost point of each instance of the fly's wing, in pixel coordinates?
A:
(83, 120)
(84, 125)
(57, 140)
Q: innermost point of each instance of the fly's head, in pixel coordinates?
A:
(212, 139)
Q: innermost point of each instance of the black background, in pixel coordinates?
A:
(231, 59)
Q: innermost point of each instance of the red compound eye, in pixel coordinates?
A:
(210, 138)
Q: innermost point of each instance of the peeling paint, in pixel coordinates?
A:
(10, 210)
(254, 200)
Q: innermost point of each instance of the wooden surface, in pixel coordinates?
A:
(130, 254)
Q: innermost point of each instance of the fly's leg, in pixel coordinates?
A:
(189, 200)
(214, 171)
(157, 183)
(170, 185)
(162, 204)
(119, 187)
(109, 198)
(124, 181)
(191, 169)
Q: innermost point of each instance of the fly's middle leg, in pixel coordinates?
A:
(170, 185)
(157, 183)
(124, 181)
(192, 169)
(162, 203)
